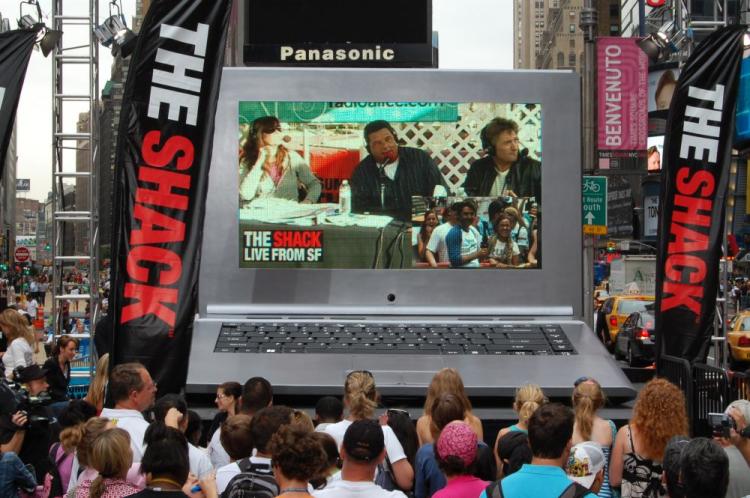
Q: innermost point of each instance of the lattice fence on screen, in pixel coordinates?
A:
(454, 146)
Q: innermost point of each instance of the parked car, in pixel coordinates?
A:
(636, 340)
(613, 313)
(738, 340)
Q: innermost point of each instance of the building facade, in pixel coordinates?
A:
(547, 36)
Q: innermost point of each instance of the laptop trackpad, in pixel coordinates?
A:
(398, 372)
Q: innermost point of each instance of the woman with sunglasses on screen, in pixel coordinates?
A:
(269, 169)
(361, 399)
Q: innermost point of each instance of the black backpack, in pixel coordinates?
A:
(575, 490)
(255, 480)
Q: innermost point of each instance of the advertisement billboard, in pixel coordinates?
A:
(623, 100)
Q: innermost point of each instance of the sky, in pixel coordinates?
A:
(473, 34)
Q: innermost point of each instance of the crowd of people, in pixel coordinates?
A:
(147, 447)
(507, 236)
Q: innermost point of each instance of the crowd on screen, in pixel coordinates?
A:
(146, 447)
(457, 236)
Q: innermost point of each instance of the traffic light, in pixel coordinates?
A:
(26, 270)
(611, 246)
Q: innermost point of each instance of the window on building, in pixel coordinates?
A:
(560, 59)
(572, 59)
(572, 43)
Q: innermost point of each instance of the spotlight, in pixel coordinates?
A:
(46, 38)
(27, 22)
(49, 40)
(114, 32)
(655, 46)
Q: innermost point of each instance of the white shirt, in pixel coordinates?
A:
(470, 241)
(499, 250)
(200, 464)
(132, 422)
(216, 452)
(19, 354)
(393, 447)
(227, 472)
(355, 489)
(500, 186)
(436, 244)
(31, 307)
(390, 169)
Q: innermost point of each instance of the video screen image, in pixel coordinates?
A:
(389, 185)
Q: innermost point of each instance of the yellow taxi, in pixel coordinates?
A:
(738, 339)
(615, 310)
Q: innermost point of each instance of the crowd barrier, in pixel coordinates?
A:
(707, 389)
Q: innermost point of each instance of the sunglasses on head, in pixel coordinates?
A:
(581, 380)
(398, 411)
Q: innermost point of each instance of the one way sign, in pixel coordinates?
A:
(594, 203)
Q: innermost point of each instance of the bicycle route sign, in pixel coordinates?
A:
(594, 203)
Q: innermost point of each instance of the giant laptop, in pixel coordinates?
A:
(316, 255)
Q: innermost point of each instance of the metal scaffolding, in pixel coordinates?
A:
(81, 139)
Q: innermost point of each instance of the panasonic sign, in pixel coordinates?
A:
(290, 53)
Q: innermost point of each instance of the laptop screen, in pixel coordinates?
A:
(389, 185)
(279, 234)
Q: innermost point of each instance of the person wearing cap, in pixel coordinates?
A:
(456, 454)
(363, 448)
(38, 429)
(550, 437)
(586, 465)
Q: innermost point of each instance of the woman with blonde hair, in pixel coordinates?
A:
(361, 399)
(98, 386)
(529, 397)
(588, 398)
(446, 381)
(22, 343)
(112, 458)
(83, 438)
(659, 413)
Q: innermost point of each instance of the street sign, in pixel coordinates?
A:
(22, 254)
(594, 203)
(23, 184)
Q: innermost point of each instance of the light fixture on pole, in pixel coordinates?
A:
(665, 42)
(47, 38)
(114, 32)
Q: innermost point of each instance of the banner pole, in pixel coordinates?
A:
(588, 24)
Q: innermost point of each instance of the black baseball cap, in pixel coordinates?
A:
(364, 441)
(32, 372)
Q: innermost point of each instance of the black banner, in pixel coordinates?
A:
(15, 51)
(697, 152)
(161, 179)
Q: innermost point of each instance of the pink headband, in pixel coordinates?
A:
(459, 440)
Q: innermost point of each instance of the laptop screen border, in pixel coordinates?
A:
(556, 284)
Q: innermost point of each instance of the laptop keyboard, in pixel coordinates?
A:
(370, 338)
